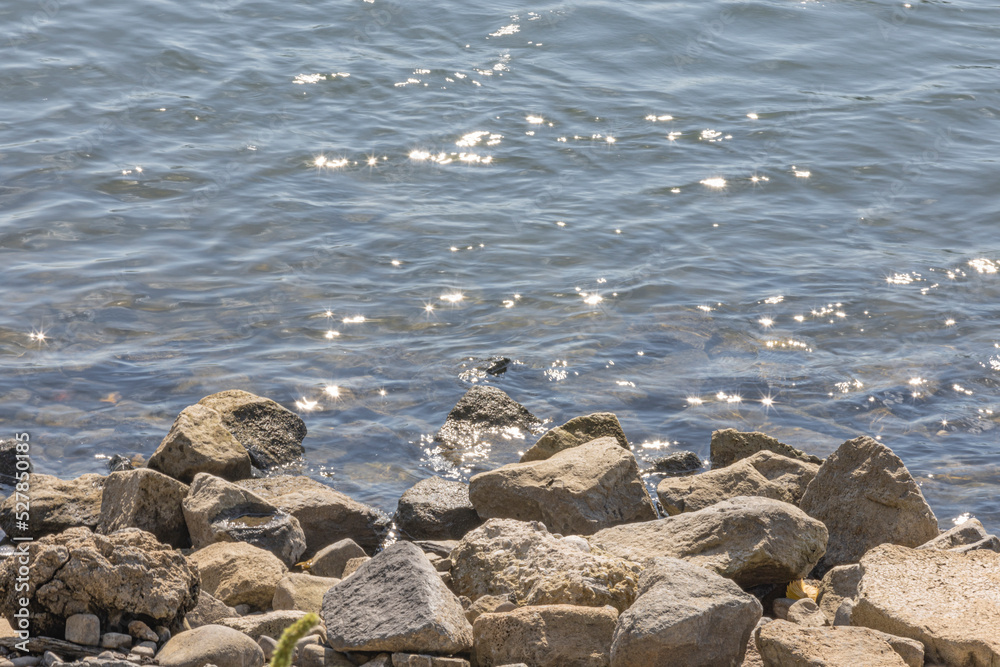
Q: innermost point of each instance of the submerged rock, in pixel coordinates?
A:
(576, 431)
(271, 434)
(56, 505)
(484, 409)
(11, 466)
(677, 464)
(729, 446)
(545, 636)
(436, 509)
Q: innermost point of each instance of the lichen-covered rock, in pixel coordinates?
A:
(484, 409)
(866, 497)
(270, 624)
(839, 583)
(56, 505)
(148, 500)
(218, 511)
(396, 602)
(749, 540)
(576, 431)
(685, 615)
(578, 490)
(239, 573)
(302, 592)
(199, 442)
(119, 577)
(526, 562)
(790, 645)
(729, 446)
(325, 515)
(210, 645)
(271, 435)
(763, 474)
(947, 601)
(436, 509)
(545, 636)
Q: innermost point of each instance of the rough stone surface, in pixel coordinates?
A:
(806, 612)
(83, 629)
(844, 612)
(576, 431)
(947, 601)
(396, 602)
(271, 435)
(116, 640)
(331, 560)
(421, 660)
(239, 573)
(965, 534)
(324, 514)
(142, 632)
(353, 565)
(316, 655)
(209, 610)
(487, 604)
(786, 644)
(271, 624)
(677, 464)
(753, 657)
(219, 511)
(56, 505)
(749, 540)
(546, 636)
(199, 442)
(483, 409)
(685, 615)
(211, 645)
(117, 577)
(729, 446)
(436, 509)
(866, 497)
(764, 474)
(526, 562)
(302, 592)
(578, 490)
(148, 500)
(839, 583)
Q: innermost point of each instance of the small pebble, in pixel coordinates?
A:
(144, 651)
(116, 640)
(142, 632)
(267, 644)
(49, 658)
(242, 609)
(26, 661)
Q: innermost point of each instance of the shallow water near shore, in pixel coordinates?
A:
(765, 215)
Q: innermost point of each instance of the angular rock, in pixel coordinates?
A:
(83, 629)
(218, 511)
(483, 409)
(787, 644)
(839, 583)
(116, 640)
(752, 657)
(866, 497)
(685, 615)
(56, 505)
(117, 577)
(316, 655)
(488, 604)
(210, 645)
(271, 435)
(545, 636)
(11, 465)
(436, 508)
(576, 431)
(945, 600)
(239, 573)
(395, 602)
(807, 613)
(199, 442)
(353, 565)
(148, 500)
(142, 632)
(420, 660)
(578, 490)
(729, 446)
(324, 514)
(526, 562)
(331, 560)
(970, 533)
(844, 612)
(271, 624)
(749, 540)
(209, 611)
(763, 474)
(677, 464)
(302, 592)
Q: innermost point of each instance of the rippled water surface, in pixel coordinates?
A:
(767, 215)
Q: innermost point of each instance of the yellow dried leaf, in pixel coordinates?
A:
(799, 590)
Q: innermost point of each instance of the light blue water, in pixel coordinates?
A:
(676, 211)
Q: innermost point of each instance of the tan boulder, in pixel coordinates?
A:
(302, 592)
(239, 573)
(271, 434)
(729, 446)
(784, 644)
(576, 431)
(839, 583)
(270, 624)
(545, 636)
(199, 442)
(210, 645)
(56, 505)
(148, 500)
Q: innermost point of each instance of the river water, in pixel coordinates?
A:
(767, 215)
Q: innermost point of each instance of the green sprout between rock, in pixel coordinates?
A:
(286, 645)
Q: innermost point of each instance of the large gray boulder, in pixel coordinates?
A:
(749, 540)
(218, 511)
(119, 577)
(576, 431)
(56, 505)
(545, 636)
(210, 645)
(786, 644)
(436, 509)
(148, 500)
(325, 515)
(396, 602)
(199, 442)
(685, 615)
(729, 446)
(947, 601)
(483, 409)
(271, 435)
(866, 497)
(576, 491)
(763, 474)
(239, 573)
(531, 566)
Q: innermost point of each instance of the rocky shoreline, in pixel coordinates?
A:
(209, 551)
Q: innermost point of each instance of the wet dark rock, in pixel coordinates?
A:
(119, 463)
(484, 409)
(271, 434)
(9, 470)
(436, 508)
(677, 464)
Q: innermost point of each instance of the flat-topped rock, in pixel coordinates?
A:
(56, 505)
(545, 636)
(790, 645)
(729, 446)
(302, 592)
(436, 509)
(576, 431)
(270, 624)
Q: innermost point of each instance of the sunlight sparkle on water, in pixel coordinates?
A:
(332, 390)
(752, 116)
(331, 334)
(983, 265)
(306, 405)
(766, 322)
(694, 400)
(714, 182)
(453, 297)
(591, 299)
(534, 120)
(357, 319)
